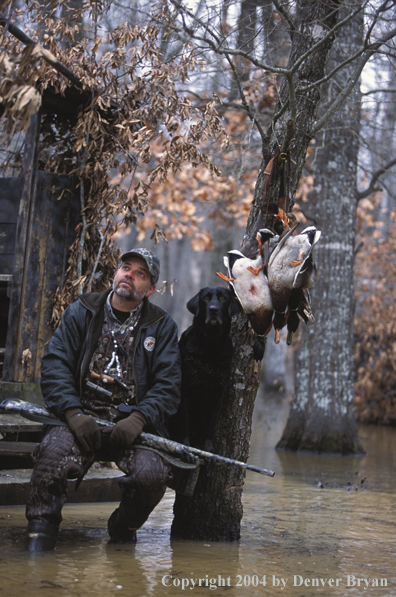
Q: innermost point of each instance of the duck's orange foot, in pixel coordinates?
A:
(297, 261)
(283, 217)
(260, 244)
(223, 277)
(255, 270)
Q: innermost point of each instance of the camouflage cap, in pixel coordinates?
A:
(151, 259)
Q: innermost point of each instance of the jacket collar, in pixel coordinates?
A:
(95, 301)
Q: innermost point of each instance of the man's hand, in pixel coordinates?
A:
(126, 431)
(85, 429)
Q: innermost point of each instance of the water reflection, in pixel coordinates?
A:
(322, 525)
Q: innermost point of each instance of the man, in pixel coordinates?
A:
(114, 356)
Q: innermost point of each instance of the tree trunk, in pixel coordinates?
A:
(322, 412)
(214, 511)
(383, 149)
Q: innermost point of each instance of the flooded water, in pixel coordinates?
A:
(323, 525)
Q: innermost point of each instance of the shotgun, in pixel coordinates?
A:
(35, 412)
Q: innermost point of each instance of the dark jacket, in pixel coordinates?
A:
(157, 372)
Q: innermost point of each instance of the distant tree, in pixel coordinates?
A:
(322, 415)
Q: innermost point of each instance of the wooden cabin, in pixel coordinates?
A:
(38, 215)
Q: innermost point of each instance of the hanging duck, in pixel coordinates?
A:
(250, 283)
(291, 267)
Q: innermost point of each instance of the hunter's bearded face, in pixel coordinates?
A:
(132, 281)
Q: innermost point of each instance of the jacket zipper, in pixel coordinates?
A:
(86, 349)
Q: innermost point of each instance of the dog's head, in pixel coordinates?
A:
(213, 308)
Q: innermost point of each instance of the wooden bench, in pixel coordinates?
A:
(19, 437)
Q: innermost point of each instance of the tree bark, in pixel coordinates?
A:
(312, 23)
(322, 412)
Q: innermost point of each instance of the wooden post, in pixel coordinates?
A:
(21, 242)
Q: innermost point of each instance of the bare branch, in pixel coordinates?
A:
(372, 188)
(288, 73)
(352, 81)
(378, 90)
(217, 46)
(184, 41)
(381, 9)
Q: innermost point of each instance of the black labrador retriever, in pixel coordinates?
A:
(206, 353)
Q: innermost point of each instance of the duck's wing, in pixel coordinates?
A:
(305, 308)
(229, 261)
(313, 234)
(227, 265)
(282, 241)
(306, 270)
(299, 308)
(232, 258)
(307, 273)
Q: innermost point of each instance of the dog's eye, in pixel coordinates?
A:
(223, 299)
(206, 298)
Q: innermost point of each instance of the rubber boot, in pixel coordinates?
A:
(118, 528)
(42, 536)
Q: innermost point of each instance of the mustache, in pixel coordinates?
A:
(127, 281)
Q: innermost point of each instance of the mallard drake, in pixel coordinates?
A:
(290, 268)
(268, 241)
(279, 323)
(290, 265)
(250, 283)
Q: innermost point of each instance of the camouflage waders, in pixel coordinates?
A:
(59, 458)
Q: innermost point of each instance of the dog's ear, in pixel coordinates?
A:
(234, 307)
(193, 304)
